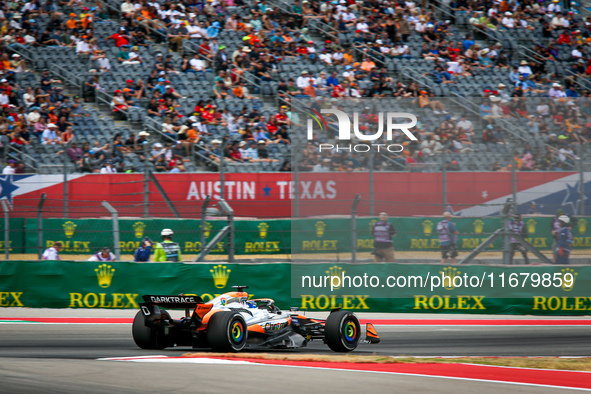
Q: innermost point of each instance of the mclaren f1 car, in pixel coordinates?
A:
(231, 323)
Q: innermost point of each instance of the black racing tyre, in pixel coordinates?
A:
(148, 337)
(342, 331)
(227, 332)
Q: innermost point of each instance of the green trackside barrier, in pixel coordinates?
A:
(420, 234)
(86, 236)
(434, 288)
(16, 237)
(281, 236)
(66, 284)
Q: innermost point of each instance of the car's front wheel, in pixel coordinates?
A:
(342, 331)
(227, 332)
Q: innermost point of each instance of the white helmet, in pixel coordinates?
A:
(564, 218)
(166, 232)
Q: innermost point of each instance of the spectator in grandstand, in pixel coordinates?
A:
(108, 168)
(436, 106)
(134, 56)
(134, 144)
(85, 164)
(118, 103)
(103, 255)
(121, 38)
(460, 144)
(221, 59)
(103, 62)
(49, 135)
(556, 91)
(177, 33)
(220, 90)
(457, 68)
(432, 145)
(196, 64)
(74, 152)
(263, 153)
(285, 166)
(248, 151)
(82, 47)
(90, 86)
(524, 69)
(167, 250)
(465, 125)
(47, 81)
(528, 162)
(215, 150)
(124, 57)
(19, 138)
(170, 128)
(10, 168)
(439, 76)
(52, 253)
(571, 92)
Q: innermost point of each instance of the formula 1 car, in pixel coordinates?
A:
(231, 323)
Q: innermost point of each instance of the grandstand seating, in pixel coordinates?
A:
(462, 97)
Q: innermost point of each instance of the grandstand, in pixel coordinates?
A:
(492, 84)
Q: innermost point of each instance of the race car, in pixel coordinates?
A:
(231, 323)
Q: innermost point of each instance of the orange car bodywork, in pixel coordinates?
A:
(205, 312)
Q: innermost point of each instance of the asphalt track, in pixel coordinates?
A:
(36, 357)
(88, 341)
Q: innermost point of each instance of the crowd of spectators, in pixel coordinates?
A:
(377, 32)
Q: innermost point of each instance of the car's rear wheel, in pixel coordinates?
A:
(342, 331)
(227, 332)
(148, 337)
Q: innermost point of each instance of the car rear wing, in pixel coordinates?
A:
(151, 307)
(173, 301)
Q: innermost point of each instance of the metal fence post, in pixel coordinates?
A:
(203, 219)
(6, 230)
(231, 246)
(444, 177)
(229, 212)
(40, 226)
(296, 182)
(506, 213)
(66, 177)
(581, 180)
(514, 180)
(146, 181)
(354, 228)
(222, 168)
(115, 216)
(164, 195)
(371, 183)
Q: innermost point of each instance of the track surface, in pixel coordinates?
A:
(62, 358)
(96, 341)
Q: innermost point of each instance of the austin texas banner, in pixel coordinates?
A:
(272, 195)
